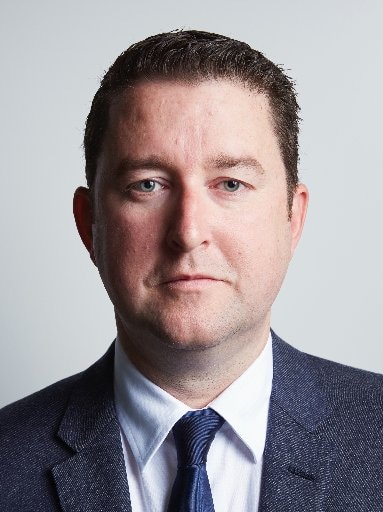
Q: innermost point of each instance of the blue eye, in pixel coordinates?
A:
(231, 185)
(147, 186)
(144, 188)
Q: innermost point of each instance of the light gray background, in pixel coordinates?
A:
(55, 316)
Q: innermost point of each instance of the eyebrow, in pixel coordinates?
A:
(151, 162)
(221, 162)
(228, 162)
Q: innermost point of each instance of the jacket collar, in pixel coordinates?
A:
(297, 458)
(296, 385)
(94, 477)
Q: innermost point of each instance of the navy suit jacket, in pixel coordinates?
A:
(60, 449)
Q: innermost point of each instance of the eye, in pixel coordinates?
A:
(146, 186)
(231, 185)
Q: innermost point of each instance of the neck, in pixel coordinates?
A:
(194, 376)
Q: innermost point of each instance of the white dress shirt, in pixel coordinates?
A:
(147, 414)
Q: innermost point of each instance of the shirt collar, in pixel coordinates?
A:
(147, 413)
(245, 403)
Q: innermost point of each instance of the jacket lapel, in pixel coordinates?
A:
(297, 458)
(94, 477)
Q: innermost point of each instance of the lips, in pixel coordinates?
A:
(190, 277)
(190, 283)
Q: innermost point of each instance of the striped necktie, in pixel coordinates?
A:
(193, 435)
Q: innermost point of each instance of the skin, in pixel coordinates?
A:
(189, 228)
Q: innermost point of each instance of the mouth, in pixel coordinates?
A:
(190, 282)
(190, 277)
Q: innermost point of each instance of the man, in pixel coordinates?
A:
(192, 213)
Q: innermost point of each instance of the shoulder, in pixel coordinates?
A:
(48, 405)
(27, 421)
(353, 398)
(29, 447)
(353, 393)
(346, 377)
(44, 409)
(48, 399)
(334, 377)
(39, 414)
(30, 440)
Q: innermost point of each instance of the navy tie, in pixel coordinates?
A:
(193, 435)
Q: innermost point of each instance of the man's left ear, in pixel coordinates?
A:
(83, 214)
(298, 214)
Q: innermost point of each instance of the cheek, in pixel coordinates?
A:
(261, 249)
(124, 243)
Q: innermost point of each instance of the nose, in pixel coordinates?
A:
(189, 222)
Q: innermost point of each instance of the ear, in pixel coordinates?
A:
(298, 214)
(83, 214)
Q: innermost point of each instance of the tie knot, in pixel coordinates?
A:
(193, 435)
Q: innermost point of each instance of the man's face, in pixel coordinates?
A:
(190, 226)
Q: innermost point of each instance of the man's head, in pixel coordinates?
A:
(192, 57)
(187, 147)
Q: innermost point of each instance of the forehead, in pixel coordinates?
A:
(205, 100)
(191, 121)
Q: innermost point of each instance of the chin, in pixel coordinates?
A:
(183, 338)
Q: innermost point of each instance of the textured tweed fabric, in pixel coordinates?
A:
(60, 449)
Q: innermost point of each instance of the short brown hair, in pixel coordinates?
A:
(193, 55)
